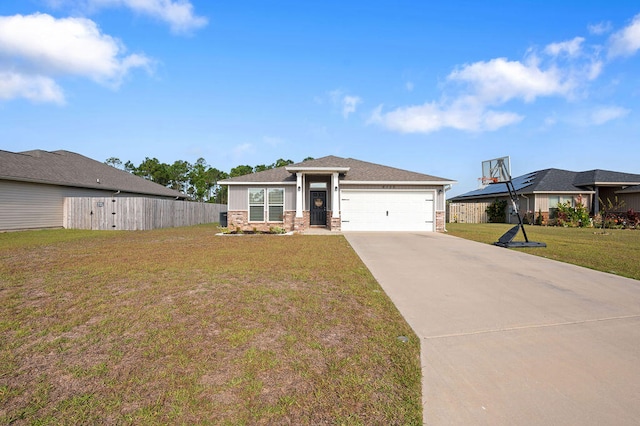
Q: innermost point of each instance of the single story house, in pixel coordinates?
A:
(337, 194)
(540, 192)
(34, 185)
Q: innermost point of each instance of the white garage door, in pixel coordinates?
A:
(387, 210)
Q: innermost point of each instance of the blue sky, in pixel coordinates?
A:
(434, 86)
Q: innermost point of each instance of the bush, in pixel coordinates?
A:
(277, 230)
(573, 217)
(617, 220)
(497, 211)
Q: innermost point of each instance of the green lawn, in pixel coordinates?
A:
(180, 326)
(615, 251)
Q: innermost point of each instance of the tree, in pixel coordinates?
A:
(497, 211)
(261, 168)
(199, 180)
(113, 162)
(281, 163)
(240, 171)
(153, 170)
(178, 175)
(129, 167)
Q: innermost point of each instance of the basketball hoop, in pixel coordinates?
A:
(484, 181)
(498, 170)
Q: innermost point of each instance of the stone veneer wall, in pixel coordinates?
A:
(333, 223)
(440, 221)
(239, 219)
(301, 223)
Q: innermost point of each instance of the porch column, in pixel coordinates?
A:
(335, 198)
(299, 194)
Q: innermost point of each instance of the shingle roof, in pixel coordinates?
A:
(67, 168)
(280, 175)
(555, 180)
(629, 190)
(604, 177)
(359, 171)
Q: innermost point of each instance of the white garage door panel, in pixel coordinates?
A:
(387, 210)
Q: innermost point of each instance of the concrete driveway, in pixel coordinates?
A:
(509, 338)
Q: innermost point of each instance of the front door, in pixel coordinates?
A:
(318, 208)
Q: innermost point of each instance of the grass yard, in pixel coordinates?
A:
(615, 251)
(179, 326)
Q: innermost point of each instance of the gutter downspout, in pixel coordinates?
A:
(526, 198)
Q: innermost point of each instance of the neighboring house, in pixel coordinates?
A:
(337, 194)
(34, 185)
(540, 192)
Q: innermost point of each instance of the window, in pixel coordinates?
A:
(554, 200)
(256, 205)
(276, 204)
(263, 201)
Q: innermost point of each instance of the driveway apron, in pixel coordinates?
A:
(509, 338)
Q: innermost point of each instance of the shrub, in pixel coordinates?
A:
(633, 218)
(570, 216)
(497, 211)
(608, 217)
(627, 220)
(277, 230)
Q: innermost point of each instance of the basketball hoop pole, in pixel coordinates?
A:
(514, 200)
(499, 170)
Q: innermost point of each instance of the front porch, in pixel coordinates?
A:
(316, 197)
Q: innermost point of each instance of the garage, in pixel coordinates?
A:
(391, 210)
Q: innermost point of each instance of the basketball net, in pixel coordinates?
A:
(484, 181)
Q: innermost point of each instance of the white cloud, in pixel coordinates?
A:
(466, 115)
(626, 42)
(474, 94)
(409, 86)
(500, 80)
(570, 47)
(35, 88)
(605, 114)
(346, 103)
(179, 14)
(599, 28)
(38, 48)
(349, 104)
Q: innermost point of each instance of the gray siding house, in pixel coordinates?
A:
(337, 194)
(34, 185)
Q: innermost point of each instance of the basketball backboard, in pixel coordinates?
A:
(496, 170)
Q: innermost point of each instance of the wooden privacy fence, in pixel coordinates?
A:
(136, 213)
(467, 213)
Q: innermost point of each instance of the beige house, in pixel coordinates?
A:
(540, 192)
(35, 184)
(337, 194)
